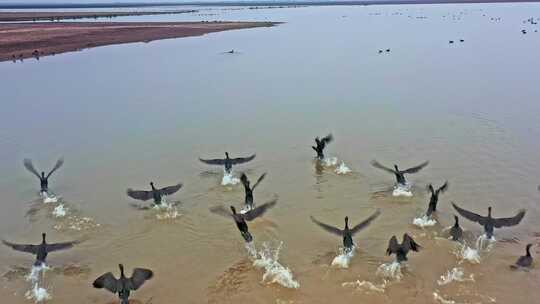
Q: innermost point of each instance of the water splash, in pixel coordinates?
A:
(60, 211)
(36, 272)
(166, 210)
(484, 243)
(76, 223)
(402, 190)
(37, 292)
(456, 274)
(48, 197)
(439, 298)
(424, 221)
(468, 254)
(342, 169)
(390, 271)
(229, 179)
(330, 161)
(344, 258)
(267, 258)
(366, 285)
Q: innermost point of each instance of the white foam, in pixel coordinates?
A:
(36, 272)
(343, 169)
(472, 255)
(267, 258)
(48, 197)
(439, 298)
(344, 258)
(366, 285)
(330, 161)
(424, 221)
(402, 190)
(60, 211)
(166, 210)
(38, 294)
(246, 209)
(229, 179)
(469, 254)
(456, 274)
(390, 271)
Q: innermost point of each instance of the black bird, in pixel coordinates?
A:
(401, 250)
(456, 232)
(347, 233)
(489, 222)
(228, 162)
(249, 215)
(249, 190)
(41, 250)
(388, 50)
(435, 197)
(321, 144)
(461, 40)
(156, 194)
(44, 179)
(451, 41)
(380, 51)
(400, 175)
(525, 260)
(123, 286)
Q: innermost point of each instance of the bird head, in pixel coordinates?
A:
(152, 185)
(489, 211)
(43, 236)
(233, 210)
(121, 269)
(346, 221)
(227, 154)
(42, 174)
(395, 167)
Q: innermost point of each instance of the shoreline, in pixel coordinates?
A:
(58, 16)
(249, 3)
(19, 41)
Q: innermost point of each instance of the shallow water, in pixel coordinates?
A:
(129, 114)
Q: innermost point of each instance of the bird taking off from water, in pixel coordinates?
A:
(227, 161)
(321, 144)
(41, 250)
(400, 174)
(123, 286)
(249, 190)
(401, 250)
(434, 199)
(44, 179)
(156, 194)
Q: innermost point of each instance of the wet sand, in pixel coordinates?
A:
(57, 16)
(20, 41)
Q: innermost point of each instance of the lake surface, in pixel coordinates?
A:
(125, 115)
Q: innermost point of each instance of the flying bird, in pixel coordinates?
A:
(156, 194)
(488, 222)
(401, 250)
(44, 179)
(400, 174)
(41, 250)
(434, 199)
(347, 233)
(227, 161)
(249, 190)
(321, 144)
(123, 286)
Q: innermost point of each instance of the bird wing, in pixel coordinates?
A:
(220, 210)
(393, 246)
(509, 221)
(376, 164)
(430, 189)
(416, 169)
(365, 223)
(217, 161)
(259, 180)
(30, 167)
(331, 229)
(107, 281)
(327, 139)
(241, 160)
(57, 166)
(409, 244)
(139, 276)
(171, 189)
(471, 216)
(139, 194)
(22, 247)
(60, 246)
(258, 211)
(443, 187)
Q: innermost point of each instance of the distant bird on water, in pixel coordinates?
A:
(400, 174)
(123, 286)
(321, 144)
(434, 199)
(347, 233)
(401, 250)
(156, 194)
(227, 161)
(44, 179)
(249, 190)
(41, 250)
(456, 232)
(488, 222)
(524, 261)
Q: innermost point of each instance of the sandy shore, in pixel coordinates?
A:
(34, 40)
(57, 16)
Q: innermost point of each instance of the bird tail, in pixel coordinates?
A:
(247, 236)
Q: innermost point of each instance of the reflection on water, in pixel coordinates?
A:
(469, 107)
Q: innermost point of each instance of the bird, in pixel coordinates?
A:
(380, 51)
(401, 250)
(451, 41)
(434, 199)
(41, 250)
(249, 190)
(456, 232)
(347, 233)
(123, 286)
(241, 218)
(156, 194)
(524, 261)
(488, 222)
(321, 144)
(44, 179)
(461, 40)
(227, 161)
(400, 174)
(388, 50)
